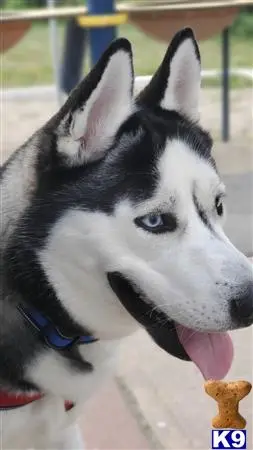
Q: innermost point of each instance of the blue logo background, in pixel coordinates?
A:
(227, 439)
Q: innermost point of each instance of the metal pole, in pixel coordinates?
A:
(73, 55)
(225, 85)
(100, 38)
(55, 51)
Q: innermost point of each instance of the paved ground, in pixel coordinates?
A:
(111, 422)
(169, 393)
(156, 401)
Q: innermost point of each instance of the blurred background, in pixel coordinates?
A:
(154, 401)
(34, 60)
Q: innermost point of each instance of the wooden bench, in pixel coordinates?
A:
(160, 20)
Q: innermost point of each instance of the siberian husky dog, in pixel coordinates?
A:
(111, 219)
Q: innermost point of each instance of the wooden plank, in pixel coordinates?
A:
(11, 33)
(65, 13)
(205, 23)
(42, 14)
(182, 5)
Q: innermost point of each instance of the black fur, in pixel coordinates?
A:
(129, 174)
(125, 171)
(201, 213)
(154, 92)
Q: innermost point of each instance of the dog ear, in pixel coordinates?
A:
(87, 122)
(176, 84)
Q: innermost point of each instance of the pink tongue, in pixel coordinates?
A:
(211, 352)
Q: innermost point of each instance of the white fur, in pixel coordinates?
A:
(182, 92)
(96, 122)
(184, 286)
(89, 255)
(42, 425)
(78, 386)
(70, 439)
(95, 243)
(176, 271)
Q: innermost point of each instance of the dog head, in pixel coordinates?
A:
(126, 219)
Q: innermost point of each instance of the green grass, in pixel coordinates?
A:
(236, 82)
(29, 62)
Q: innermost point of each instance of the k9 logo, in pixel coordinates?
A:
(229, 439)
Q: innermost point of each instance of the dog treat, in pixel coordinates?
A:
(228, 395)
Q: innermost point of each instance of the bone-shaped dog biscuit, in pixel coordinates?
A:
(228, 395)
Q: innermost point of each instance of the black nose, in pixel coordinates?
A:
(242, 307)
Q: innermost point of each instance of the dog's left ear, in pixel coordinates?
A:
(87, 123)
(176, 84)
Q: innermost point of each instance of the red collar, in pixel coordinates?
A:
(10, 401)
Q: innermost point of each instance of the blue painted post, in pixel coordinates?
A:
(73, 55)
(225, 85)
(100, 38)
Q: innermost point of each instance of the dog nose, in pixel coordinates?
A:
(242, 307)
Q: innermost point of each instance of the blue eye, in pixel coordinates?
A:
(152, 221)
(157, 223)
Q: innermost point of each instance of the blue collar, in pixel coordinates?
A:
(49, 332)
